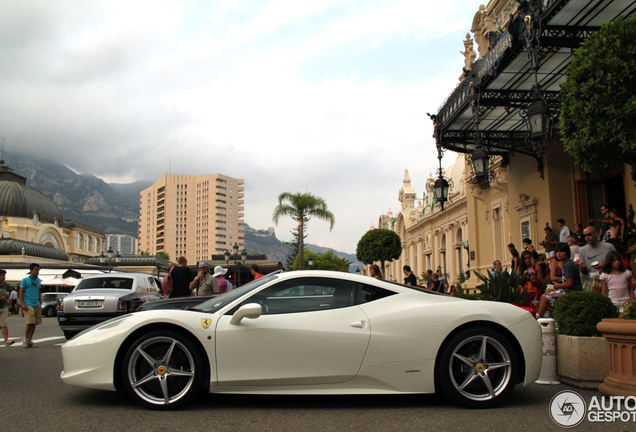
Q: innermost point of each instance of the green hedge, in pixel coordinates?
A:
(577, 313)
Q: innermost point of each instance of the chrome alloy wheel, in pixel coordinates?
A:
(161, 370)
(480, 368)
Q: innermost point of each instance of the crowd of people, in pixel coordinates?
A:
(204, 283)
(574, 261)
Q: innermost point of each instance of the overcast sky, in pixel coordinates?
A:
(328, 97)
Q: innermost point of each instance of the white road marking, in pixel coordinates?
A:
(18, 341)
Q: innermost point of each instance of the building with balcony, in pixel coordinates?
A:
(503, 116)
(124, 244)
(191, 216)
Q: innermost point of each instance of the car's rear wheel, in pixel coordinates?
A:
(50, 312)
(478, 368)
(163, 369)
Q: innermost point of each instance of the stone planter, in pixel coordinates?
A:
(621, 336)
(582, 361)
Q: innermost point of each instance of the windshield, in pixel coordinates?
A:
(49, 297)
(215, 303)
(112, 282)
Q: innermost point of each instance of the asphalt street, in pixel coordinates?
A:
(33, 398)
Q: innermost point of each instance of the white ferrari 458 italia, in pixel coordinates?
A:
(312, 332)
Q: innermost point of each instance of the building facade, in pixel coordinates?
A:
(431, 239)
(124, 244)
(191, 216)
(524, 49)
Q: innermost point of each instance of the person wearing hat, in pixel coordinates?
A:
(204, 283)
(219, 272)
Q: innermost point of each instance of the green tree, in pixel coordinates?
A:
(327, 260)
(302, 207)
(144, 253)
(163, 255)
(598, 116)
(293, 249)
(379, 245)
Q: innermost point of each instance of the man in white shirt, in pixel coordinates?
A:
(565, 231)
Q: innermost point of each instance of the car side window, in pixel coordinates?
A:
(305, 295)
(368, 293)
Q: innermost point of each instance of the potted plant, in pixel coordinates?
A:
(621, 336)
(582, 355)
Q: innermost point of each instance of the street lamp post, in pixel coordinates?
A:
(237, 262)
(109, 256)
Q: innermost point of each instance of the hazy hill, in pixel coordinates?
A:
(83, 198)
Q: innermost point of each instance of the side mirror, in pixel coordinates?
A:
(251, 310)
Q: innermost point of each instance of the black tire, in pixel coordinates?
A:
(159, 382)
(50, 312)
(478, 368)
(69, 334)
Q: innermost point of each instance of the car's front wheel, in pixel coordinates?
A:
(478, 368)
(50, 312)
(163, 369)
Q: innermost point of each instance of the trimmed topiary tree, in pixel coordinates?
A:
(379, 245)
(578, 313)
(598, 116)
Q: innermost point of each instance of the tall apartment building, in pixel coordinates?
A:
(124, 244)
(193, 216)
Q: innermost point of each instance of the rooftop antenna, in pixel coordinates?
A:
(169, 164)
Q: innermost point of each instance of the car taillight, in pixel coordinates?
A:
(121, 306)
(60, 307)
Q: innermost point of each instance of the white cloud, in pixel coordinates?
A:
(120, 88)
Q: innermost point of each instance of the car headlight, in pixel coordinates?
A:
(101, 324)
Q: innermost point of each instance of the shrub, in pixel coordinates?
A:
(504, 287)
(577, 313)
(629, 311)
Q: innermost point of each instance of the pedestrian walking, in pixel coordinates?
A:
(4, 312)
(182, 277)
(14, 301)
(254, 269)
(410, 277)
(30, 301)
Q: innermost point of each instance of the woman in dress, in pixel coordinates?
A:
(616, 281)
(533, 280)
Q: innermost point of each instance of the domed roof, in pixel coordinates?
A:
(455, 171)
(19, 200)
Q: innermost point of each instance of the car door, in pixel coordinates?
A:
(310, 332)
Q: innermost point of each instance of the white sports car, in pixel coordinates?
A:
(312, 332)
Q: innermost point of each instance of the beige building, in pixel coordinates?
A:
(430, 238)
(33, 230)
(529, 180)
(193, 216)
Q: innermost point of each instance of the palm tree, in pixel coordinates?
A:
(301, 207)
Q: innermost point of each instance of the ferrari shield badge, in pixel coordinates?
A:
(205, 322)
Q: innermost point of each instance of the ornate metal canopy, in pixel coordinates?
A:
(489, 106)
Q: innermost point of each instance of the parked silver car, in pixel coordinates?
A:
(49, 302)
(100, 297)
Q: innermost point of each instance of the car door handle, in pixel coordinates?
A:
(359, 324)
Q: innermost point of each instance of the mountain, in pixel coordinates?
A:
(82, 198)
(265, 241)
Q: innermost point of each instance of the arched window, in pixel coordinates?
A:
(88, 240)
(79, 241)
